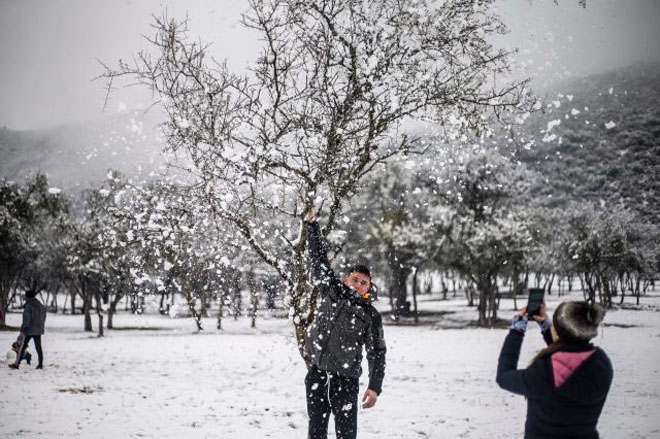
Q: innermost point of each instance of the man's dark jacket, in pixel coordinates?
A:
(34, 317)
(570, 410)
(344, 322)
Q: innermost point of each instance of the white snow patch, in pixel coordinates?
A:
(553, 123)
(143, 377)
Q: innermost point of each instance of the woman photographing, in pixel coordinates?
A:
(567, 382)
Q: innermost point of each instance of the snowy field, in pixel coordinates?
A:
(170, 382)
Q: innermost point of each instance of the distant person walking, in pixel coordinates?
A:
(567, 383)
(34, 319)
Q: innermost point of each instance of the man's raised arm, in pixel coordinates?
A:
(319, 265)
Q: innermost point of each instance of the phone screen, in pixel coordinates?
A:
(535, 301)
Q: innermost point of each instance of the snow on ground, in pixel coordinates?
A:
(171, 382)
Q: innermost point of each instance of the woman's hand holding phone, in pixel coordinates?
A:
(540, 317)
(543, 313)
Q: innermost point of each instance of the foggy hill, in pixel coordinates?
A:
(74, 156)
(600, 141)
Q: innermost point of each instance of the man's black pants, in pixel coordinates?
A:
(329, 392)
(37, 345)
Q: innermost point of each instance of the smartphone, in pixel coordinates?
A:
(535, 301)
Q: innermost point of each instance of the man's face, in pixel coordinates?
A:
(358, 282)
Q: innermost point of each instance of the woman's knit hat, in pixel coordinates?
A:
(577, 321)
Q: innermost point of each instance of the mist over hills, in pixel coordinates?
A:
(599, 141)
(76, 156)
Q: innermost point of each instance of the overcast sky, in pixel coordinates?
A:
(48, 49)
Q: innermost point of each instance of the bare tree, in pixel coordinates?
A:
(322, 106)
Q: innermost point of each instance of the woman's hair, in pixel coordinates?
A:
(547, 351)
(577, 321)
(574, 322)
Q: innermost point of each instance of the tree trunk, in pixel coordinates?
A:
(604, 290)
(414, 293)
(254, 297)
(495, 301)
(300, 323)
(55, 293)
(487, 300)
(482, 305)
(516, 287)
(73, 300)
(548, 283)
(390, 296)
(628, 283)
(113, 308)
(469, 293)
(99, 312)
(203, 301)
(297, 291)
(87, 303)
(399, 280)
(236, 301)
(221, 308)
(88, 316)
(162, 308)
(3, 311)
(187, 291)
(8, 278)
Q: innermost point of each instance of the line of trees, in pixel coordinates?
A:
(122, 241)
(469, 215)
(464, 217)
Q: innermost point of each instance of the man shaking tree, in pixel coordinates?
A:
(345, 322)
